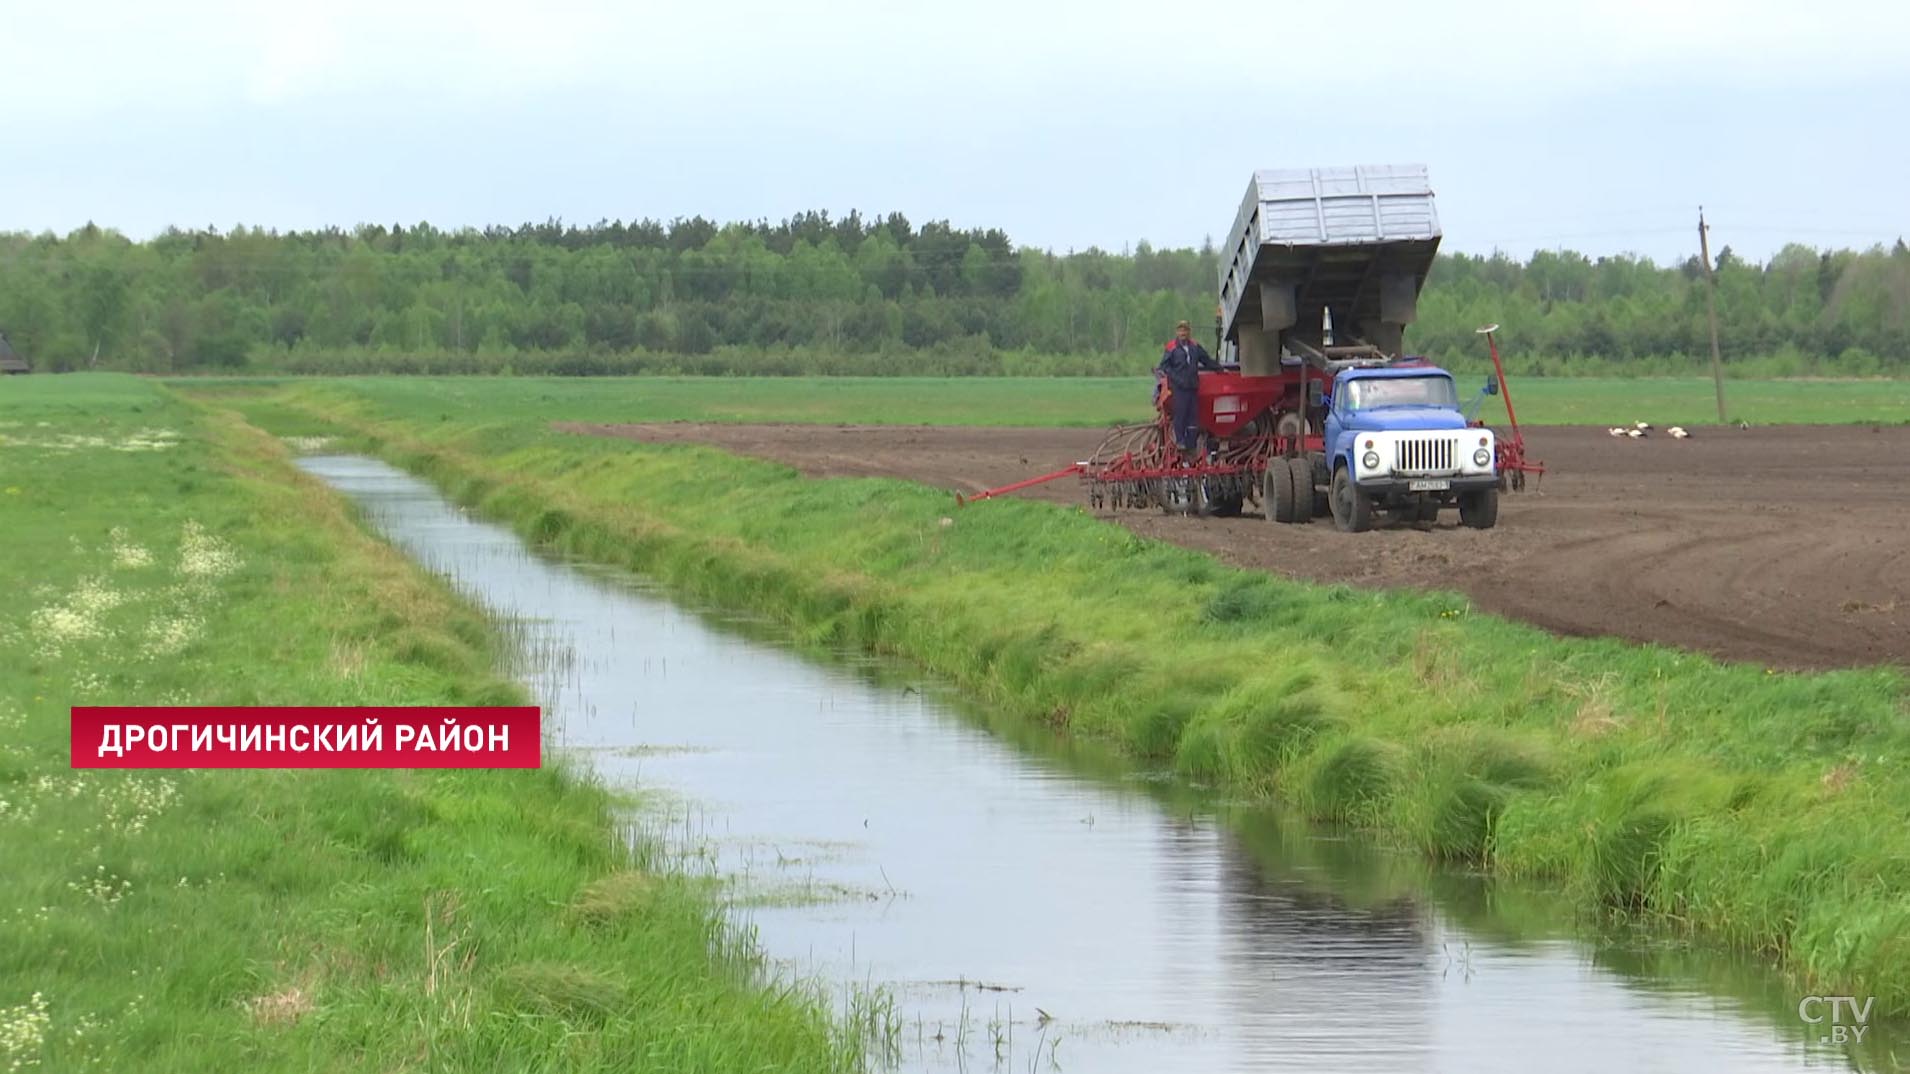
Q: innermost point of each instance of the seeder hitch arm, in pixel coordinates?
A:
(989, 494)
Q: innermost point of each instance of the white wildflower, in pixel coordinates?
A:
(82, 1026)
(169, 635)
(93, 596)
(69, 786)
(138, 440)
(77, 618)
(203, 555)
(129, 805)
(23, 1033)
(132, 557)
(24, 916)
(102, 886)
(126, 554)
(148, 440)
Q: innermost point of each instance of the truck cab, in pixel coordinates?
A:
(1396, 441)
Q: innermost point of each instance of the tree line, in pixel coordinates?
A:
(816, 294)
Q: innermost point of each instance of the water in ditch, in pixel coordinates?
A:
(1029, 906)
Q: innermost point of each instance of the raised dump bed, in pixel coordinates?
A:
(1352, 242)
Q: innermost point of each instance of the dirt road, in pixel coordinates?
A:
(1788, 546)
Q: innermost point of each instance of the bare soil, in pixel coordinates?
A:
(1784, 545)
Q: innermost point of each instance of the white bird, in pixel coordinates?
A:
(1636, 434)
(1642, 426)
(1677, 432)
(1617, 431)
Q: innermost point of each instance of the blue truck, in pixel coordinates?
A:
(1396, 441)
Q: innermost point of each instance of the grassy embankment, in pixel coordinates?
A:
(1758, 810)
(327, 920)
(1076, 401)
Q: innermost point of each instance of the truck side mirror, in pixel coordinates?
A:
(1315, 393)
(1492, 385)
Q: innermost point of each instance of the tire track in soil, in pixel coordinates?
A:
(1783, 545)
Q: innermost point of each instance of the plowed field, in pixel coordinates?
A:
(1788, 546)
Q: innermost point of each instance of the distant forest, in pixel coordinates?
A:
(814, 294)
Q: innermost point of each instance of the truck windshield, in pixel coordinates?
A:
(1400, 391)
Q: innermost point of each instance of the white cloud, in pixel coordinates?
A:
(1066, 122)
(89, 56)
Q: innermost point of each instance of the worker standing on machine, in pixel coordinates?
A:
(1181, 363)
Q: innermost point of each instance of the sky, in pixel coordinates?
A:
(1599, 127)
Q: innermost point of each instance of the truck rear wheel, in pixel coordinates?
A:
(1480, 509)
(1273, 483)
(1300, 472)
(1352, 509)
(1283, 485)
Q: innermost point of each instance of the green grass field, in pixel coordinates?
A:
(1065, 401)
(193, 921)
(1750, 808)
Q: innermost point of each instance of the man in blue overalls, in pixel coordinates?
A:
(1180, 367)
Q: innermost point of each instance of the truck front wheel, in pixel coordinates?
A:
(1480, 509)
(1352, 509)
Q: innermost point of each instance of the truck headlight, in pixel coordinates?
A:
(1370, 460)
(1481, 457)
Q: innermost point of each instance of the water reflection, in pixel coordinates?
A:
(1034, 904)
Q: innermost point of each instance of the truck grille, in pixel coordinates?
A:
(1423, 455)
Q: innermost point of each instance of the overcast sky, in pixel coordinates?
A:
(1599, 127)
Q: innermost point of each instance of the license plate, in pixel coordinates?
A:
(1434, 484)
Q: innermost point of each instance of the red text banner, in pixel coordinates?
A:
(307, 737)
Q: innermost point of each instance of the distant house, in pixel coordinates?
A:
(9, 361)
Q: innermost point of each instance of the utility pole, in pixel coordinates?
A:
(1711, 308)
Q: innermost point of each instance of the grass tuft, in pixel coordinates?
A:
(572, 994)
(609, 900)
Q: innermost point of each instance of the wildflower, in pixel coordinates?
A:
(102, 886)
(204, 556)
(23, 1033)
(126, 554)
(148, 440)
(130, 805)
(168, 636)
